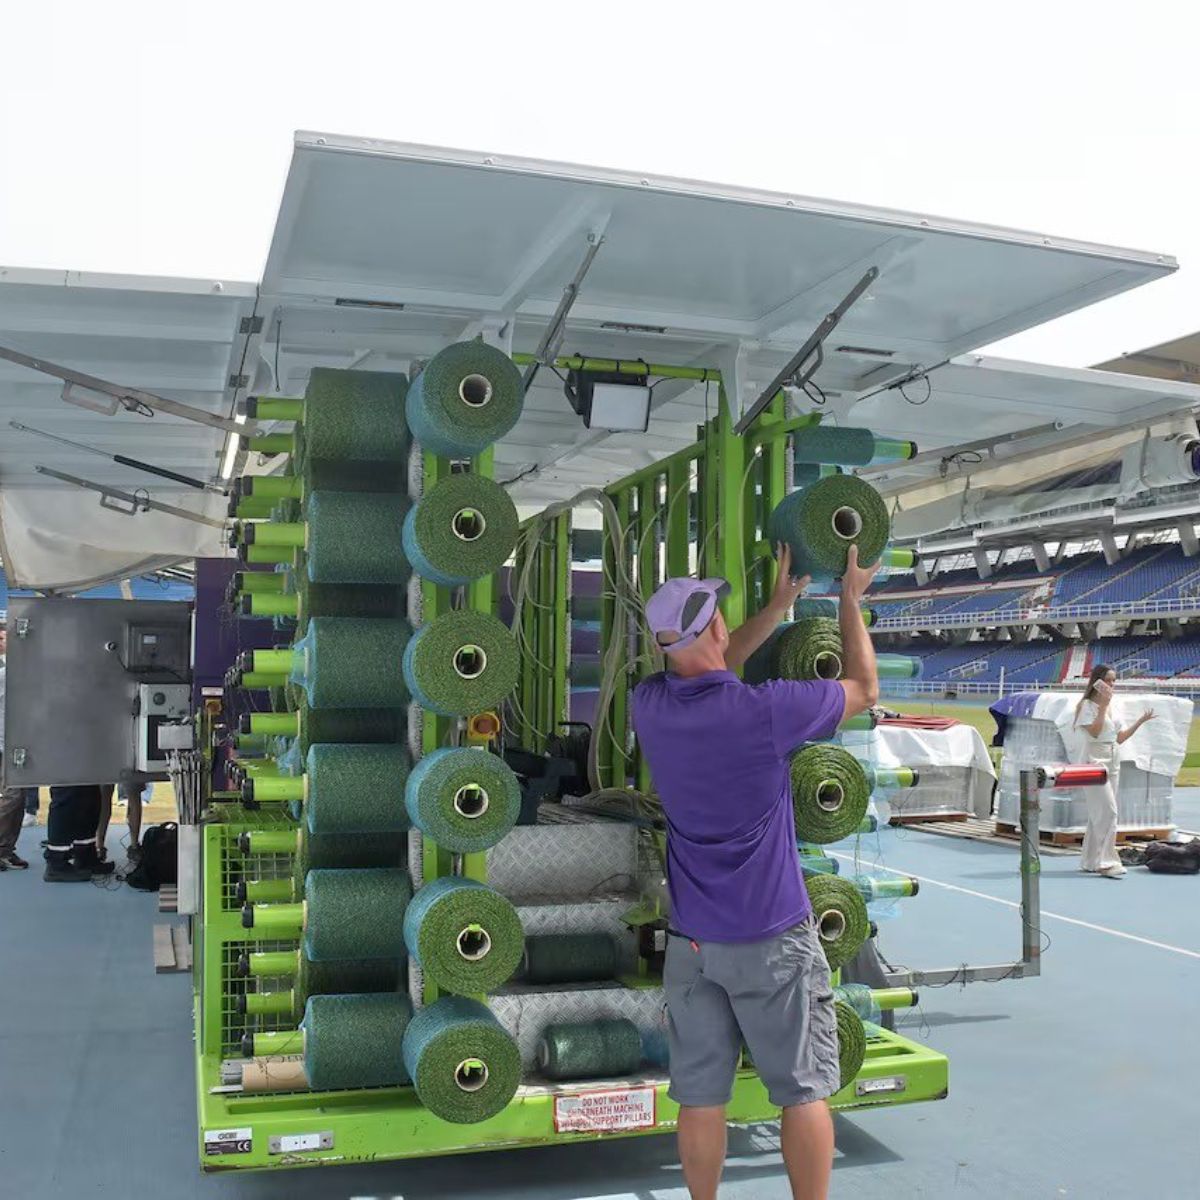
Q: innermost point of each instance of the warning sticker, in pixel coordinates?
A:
(605, 1112)
(228, 1141)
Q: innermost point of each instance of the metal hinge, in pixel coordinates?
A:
(250, 325)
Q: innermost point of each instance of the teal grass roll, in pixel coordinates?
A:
(355, 1041)
(462, 798)
(463, 528)
(461, 663)
(464, 1066)
(466, 937)
(467, 397)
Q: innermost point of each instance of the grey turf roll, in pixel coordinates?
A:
(355, 416)
(355, 537)
(356, 789)
(463, 528)
(569, 958)
(355, 913)
(461, 663)
(467, 397)
(587, 1049)
(462, 798)
(355, 1041)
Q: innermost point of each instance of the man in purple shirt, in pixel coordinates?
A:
(744, 962)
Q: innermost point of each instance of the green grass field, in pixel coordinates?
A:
(976, 713)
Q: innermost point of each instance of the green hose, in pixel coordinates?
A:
(830, 793)
(841, 917)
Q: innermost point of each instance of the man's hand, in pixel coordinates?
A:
(787, 590)
(856, 579)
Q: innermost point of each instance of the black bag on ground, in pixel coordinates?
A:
(159, 862)
(1173, 858)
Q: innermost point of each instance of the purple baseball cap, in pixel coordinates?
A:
(680, 611)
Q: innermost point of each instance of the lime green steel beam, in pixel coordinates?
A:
(612, 366)
(730, 542)
(562, 618)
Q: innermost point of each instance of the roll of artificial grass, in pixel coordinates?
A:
(569, 958)
(465, 936)
(464, 1066)
(461, 663)
(587, 1049)
(848, 446)
(467, 397)
(809, 649)
(345, 788)
(805, 473)
(821, 522)
(348, 662)
(830, 793)
(355, 913)
(841, 917)
(361, 726)
(353, 976)
(355, 417)
(355, 537)
(347, 600)
(852, 1043)
(355, 1041)
(462, 798)
(463, 528)
(331, 851)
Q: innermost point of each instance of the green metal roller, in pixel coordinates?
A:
(254, 582)
(272, 443)
(273, 408)
(898, 666)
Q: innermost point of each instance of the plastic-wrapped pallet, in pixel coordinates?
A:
(1038, 730)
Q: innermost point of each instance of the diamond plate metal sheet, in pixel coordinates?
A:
(596, 916)
(565, 862)
(526, 1014)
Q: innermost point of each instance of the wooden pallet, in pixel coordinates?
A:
(983, 829)
(1059, 837)
(903, 818)
(172, 949)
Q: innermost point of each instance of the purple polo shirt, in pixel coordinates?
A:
(718, 752)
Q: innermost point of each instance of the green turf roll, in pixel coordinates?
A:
(464, 1066)
(350, 977)
(830, 793)
(355, 913)
(355, 537)
(463, 528)
(841, 916)
(805, 473)
(852, 1043)
(352, 662)
(809, 649)
(336, 850)
(355, 1041)
(814, 606)
(585, 608)
(587, 1049)
(355, 416)
(461, 663)
(569, 958)
(467, 397)
(834, 444)
(347, 600)
(462, 798)
(820, 523)
(465, 936)
(362, 726)
(356, 789)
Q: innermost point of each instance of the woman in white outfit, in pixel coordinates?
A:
(1095, 722)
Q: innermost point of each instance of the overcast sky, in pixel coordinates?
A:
(153, 138)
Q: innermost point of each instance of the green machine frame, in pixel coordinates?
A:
(704, 508)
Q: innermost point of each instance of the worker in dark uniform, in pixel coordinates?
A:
(71, 855)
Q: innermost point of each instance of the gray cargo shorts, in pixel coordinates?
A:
(773, 994)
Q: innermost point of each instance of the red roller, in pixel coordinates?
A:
(1082, 775)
